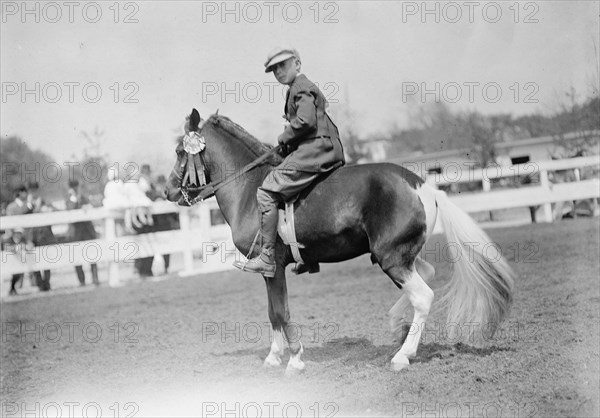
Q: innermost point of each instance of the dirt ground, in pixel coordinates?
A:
(194, 346)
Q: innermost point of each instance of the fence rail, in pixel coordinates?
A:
(543, 195)
(197, 234)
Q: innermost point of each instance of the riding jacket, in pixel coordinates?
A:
(311, 134)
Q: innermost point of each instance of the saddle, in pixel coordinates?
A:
(287, 231)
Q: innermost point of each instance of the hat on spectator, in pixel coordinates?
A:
(73, 183)
(20, 188)
(279, 54)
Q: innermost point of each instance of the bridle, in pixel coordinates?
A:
(194, 145)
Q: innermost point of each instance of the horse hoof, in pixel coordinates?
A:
(399, 362)
(271, 362)
(294, 370)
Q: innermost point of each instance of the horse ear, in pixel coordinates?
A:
(194, 120)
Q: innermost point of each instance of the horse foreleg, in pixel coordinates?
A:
(279, 316)
(277, 349)
(420, 296)
(276, 319)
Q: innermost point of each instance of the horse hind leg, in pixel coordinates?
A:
(420, 297)
(398, 325)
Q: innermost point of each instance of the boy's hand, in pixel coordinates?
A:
(284, 151)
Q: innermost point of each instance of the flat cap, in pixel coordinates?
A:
(279, 54)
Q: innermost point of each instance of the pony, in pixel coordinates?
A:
(382, 209)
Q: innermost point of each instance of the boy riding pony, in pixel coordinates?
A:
(313, 146)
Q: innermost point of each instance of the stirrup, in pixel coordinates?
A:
(267, 270)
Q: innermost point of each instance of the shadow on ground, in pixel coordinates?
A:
(351, 351)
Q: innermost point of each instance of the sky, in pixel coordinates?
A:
(133, 70)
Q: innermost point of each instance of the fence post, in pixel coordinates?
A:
(486, 184)
(205, 225)
(546, 207)
(110, 232)
(211, 250)
(188, 255)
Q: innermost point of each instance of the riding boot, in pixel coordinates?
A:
(265, 262)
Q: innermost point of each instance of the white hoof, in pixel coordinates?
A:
(295, 368)
(272, 361)
(399, 362)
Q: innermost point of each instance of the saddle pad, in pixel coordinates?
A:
(287, 230)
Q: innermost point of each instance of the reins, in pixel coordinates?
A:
(210, 188)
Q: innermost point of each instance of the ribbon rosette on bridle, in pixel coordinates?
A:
(194, 144)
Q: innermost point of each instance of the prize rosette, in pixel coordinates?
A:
(193, 143)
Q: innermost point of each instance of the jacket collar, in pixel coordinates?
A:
(287, 93)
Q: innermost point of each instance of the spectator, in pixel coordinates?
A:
(165, 221)
(14, 244)
(127, 196)
(141, 193)
(130, 196)
(18, 207)
(80, 231)
(41, 235)
(146, 184)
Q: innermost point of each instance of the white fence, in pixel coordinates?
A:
(197, 235)
(542, 195)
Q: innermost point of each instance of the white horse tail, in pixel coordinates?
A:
(481, 287)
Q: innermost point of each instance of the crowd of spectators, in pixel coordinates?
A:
(134, 196)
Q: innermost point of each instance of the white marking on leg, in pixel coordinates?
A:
(277, 350)
(421, 297)
(295, 365)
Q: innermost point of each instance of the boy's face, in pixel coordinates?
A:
(286, 71)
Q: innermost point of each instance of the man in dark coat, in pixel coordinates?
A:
(80, 231)
(314, 148)
(42, 235)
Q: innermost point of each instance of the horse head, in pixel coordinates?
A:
(217, 147)
(188, 174)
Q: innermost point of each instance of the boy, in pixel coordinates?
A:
(314, 148)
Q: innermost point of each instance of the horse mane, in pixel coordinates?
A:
(257, 147)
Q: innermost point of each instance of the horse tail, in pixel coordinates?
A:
(481, 287)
